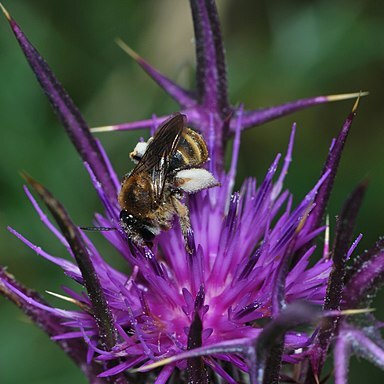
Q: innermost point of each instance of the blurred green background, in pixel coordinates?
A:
(276, 51)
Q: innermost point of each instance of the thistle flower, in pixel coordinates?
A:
(232, 307)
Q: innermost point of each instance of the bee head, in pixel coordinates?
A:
(139, 230)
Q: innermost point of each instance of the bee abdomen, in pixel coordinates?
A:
(191, 151)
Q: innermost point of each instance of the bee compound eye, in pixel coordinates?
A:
(127, 219)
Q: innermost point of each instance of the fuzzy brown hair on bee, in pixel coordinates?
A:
(168, 165)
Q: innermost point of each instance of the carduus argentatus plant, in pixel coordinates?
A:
(250, 302)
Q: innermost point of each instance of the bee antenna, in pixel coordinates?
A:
(98, 229)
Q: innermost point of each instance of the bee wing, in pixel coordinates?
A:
(155, 160)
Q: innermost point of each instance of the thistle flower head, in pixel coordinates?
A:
(231, 306)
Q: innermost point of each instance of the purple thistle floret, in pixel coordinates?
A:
(231, 307)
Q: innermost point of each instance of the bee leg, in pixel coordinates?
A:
(194, 180)
(185, 224)
(137, 154)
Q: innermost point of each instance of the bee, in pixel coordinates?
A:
(168, 165)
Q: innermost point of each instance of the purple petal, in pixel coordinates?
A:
(44, 218)
(164, 375)
(354, 245)
(344, 232)
(121, 367)
(180, 95)
(365, 282)
(363, 345)
(287, 161)
(260, 116)
(335, 289)
(341, 358)
(235, 152)
(66, 265)
(10, 289)
(361, 260)
(142, 124)
(25, 299)
(211, 72)
(67, 112)
(331, 166)
(73, 335)
(100, 309)
(220, 370)
(288, 239)
(111, 209)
